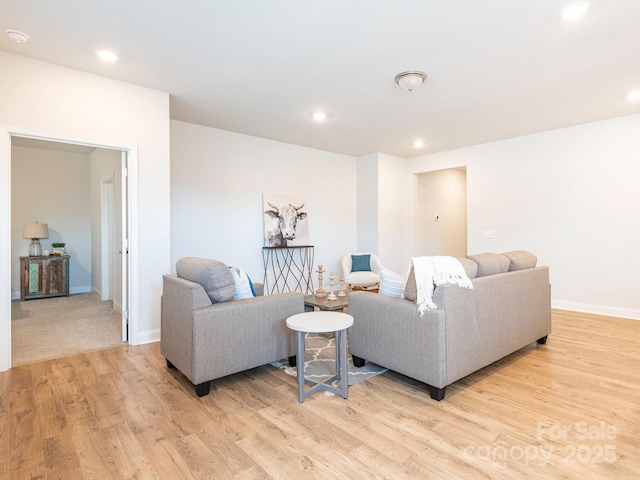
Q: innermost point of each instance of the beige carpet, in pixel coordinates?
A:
(56, 327)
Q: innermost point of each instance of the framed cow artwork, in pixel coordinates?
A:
(286, 221)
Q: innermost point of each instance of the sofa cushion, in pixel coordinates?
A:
(521, 259)
(361, 263)
(490, 263)
(470, 267)
(214, 276)
(391, 283)
(411, 290)
(244, 287)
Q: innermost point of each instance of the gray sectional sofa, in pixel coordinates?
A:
(507, 309)
(206, 334)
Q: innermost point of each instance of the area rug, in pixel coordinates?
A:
(320, 362)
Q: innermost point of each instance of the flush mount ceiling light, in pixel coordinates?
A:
(106, 55)
(16, 36)
(409, 81)
(418, 144)
(574, 11)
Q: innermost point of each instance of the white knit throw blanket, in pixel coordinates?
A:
(433, 271)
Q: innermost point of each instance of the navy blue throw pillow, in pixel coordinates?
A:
(360, 263)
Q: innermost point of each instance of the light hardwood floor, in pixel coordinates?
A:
(569, 409)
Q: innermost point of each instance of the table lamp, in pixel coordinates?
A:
(35, 231)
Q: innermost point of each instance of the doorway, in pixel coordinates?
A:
(74, 230)
(441, 213)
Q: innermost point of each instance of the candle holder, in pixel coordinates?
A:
(320, 292)
(332, 295)
(342, 293)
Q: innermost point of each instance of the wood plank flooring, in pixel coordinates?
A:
(569, 409)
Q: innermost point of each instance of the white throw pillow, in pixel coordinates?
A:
(244, 288)
(392, 283)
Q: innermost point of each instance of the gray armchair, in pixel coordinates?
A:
(206, 334)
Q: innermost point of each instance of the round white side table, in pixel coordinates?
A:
(322, 322)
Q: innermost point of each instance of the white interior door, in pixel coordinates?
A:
(123, 265)
(112, 245)
(107, 242)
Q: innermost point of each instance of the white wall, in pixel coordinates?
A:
(57, 102)
(382, 217)
(571, 197)
(217, 181)
(440, 218)
(393, 192)
(52, 187)
(367, 200)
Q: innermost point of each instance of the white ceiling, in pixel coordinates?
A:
(496, 68)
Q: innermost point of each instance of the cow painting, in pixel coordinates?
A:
(281, 221)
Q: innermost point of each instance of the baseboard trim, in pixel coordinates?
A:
(75, 290)
(597, 309)
(149, 336)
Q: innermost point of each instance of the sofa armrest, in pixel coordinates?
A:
(390, 332)
(179, 298)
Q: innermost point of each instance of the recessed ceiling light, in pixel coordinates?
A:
(573, 11)
(418, 144)
(634, 96)
(106, 55)
(16, 36)
(319, 116)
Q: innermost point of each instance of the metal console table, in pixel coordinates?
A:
(288, 269)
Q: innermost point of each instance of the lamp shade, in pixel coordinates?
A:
(35, 230)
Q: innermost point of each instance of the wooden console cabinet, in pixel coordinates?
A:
(43, 277)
